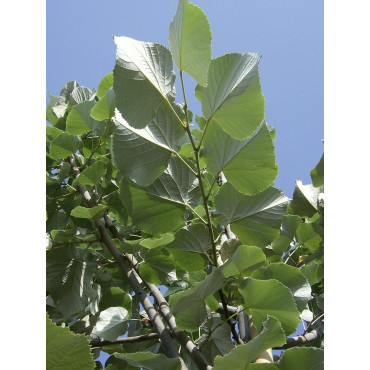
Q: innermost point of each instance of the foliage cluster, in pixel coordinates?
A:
(141, 192)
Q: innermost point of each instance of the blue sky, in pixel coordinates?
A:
(288, 33)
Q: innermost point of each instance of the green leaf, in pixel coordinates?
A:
(69, 278)
(64, 145)
(311, 235)
(228, 248)
(177, 183)
(93, 213)
(151, 243)
(104, 108)
(291, 277)
(254, 219)
(317, 173)
(233, 98)
(105, 84)
(66, 350)
(188, 261)
(158, 268)
(81, 94)
(304, 201)
(112, 323)
(270, 297)
(219, 341)
(150, 361)
(143, 154)
(245, 257)
(190, 39)
(79, 119)
(249, 165)
(152, 214)
(115, 297)
(143, 79)
(302, 359)
(314, 272)
(52, 133)
(272, 335)
(188, 306)
(289, 226)
(92, 174)
(193, 238)
(64, 171)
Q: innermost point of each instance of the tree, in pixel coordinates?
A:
(143, 196)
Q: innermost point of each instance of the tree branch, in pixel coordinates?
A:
(164, 309)
(303, 340)
(153, 315)
(139, 338)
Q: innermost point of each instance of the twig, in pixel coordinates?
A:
(136, 339)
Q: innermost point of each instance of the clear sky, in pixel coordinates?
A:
(288, 33)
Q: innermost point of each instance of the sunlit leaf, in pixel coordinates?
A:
(232, 98)
(249, 165)
(254, 219)
(245, 257)
(92, 213)
(317, 173)
(153, 214)
(143, 154)
(190, 39)
(112, 323)
(270, 297)
(143, 79)
(291, 277)
(64, 145)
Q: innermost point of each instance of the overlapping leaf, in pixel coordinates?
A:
(115, 297)
(69, 279)
(233, 98)
(289, 226)
(79, 119)
(217, 341)
(112, 323)
(143, 79)
(272, 335)
(150, 361)
(143, 154)
(66, 350)
(64, 145)
(249, 165)
(317, 173)
(177, 184)
(245, 257)
(304, 201)
(254, 219)
(193, 238)
(104, 108)
(270, 297)
(188, 306)
(152, 214)
(190, 40)
(291, 277)
(92, 174)
(159, 267)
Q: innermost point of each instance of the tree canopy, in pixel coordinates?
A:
(168, 245)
